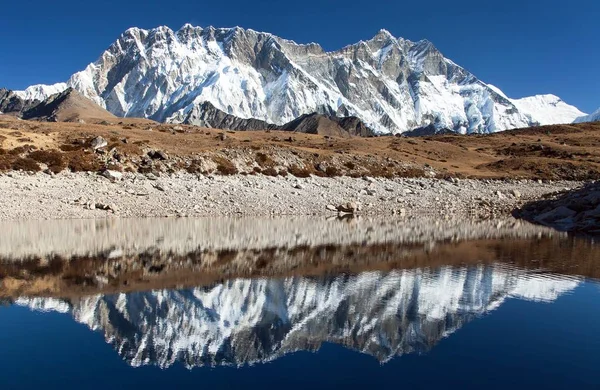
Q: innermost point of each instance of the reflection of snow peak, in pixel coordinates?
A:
(392, 84)
(246, 321)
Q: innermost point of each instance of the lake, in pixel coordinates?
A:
(297, 302)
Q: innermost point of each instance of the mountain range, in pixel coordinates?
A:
(391, 84)
(594, 117)
(247, 321)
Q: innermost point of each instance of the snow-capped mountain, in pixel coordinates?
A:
(41, 92)
(547, 109)
(246, 321)
(544, 109)
(391, 84)
(594, 117)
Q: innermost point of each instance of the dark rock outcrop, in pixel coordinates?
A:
(11, 103)
(207, 115)
(426, 131)
(576, 211)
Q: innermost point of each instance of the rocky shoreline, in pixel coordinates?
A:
(69, 195)
(574, 211)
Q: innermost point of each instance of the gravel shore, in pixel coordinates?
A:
(89, 195)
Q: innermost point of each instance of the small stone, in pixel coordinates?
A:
(516, 193)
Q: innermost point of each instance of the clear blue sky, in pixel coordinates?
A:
(525, 47)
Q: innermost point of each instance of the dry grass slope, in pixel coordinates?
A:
(548, 152)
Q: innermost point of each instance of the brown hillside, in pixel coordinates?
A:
(548, 152)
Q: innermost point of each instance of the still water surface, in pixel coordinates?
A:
(416, 305)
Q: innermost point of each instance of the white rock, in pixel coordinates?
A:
(112, 175)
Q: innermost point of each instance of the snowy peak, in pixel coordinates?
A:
(391, 84)
(547, 109)
(41, 92)
(594, 117)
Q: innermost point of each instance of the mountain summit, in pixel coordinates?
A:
(391, 84)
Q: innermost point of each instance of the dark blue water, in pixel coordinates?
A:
(530, 332)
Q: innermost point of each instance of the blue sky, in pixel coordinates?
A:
(525, 47)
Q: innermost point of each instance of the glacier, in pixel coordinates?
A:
(392, 84)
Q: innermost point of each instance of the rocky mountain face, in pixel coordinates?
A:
(245, 321)
(12, 103)
(328, 125)
(391, 84)
(207, 115)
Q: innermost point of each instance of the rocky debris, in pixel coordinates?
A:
(98, 143)
(160, 194)
(575, 211)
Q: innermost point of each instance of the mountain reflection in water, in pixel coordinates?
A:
(247, 321)
(237, 292)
